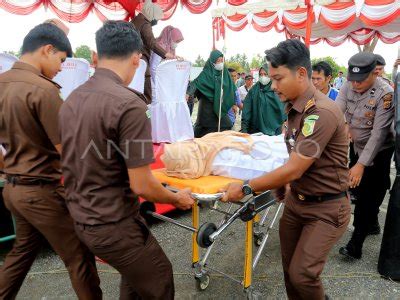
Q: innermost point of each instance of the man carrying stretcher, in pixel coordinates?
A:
(317, 207)
(107, 150)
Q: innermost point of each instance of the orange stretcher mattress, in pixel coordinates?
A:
(202, 185)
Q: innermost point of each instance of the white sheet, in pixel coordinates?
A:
(6, 62)
(268, 153)
(75, 72)
(170, 117)
(138, 80)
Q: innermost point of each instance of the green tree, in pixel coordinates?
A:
(199, 62)
(235, 65)
(84, 52)
(331, 61)
(240, 61)
(15, 53)
(257, 61)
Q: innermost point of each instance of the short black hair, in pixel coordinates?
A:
(231, 70)
(323, 66)
(46, 34)
(117, 39)
(291, 54)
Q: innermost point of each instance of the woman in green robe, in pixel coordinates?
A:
(207, 88)
(263, 111)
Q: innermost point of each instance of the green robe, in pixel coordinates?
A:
(208, 83)
(263, 111)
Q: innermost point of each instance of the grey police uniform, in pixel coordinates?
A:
(370, 118)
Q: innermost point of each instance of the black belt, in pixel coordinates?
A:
(326, 197)
(15, 180)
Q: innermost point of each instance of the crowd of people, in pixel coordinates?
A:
(95, 211)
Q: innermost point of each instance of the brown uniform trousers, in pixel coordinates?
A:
(309, 229)
(40, 213)
(129, 247)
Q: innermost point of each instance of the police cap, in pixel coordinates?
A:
(360, 66)
(380, 61)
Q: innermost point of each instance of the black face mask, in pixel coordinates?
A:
(153, 22)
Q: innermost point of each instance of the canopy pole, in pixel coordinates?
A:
(308, 23)
(221, 96)
(213, 34)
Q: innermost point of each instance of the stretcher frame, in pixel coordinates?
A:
(249, 210)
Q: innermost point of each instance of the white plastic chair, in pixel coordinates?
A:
(75, 72)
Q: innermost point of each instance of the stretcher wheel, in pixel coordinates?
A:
(145, 208)
(203, 235)
(202, 282)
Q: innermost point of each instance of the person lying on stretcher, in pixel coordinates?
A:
(228, 154)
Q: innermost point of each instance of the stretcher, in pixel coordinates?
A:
(253, 210)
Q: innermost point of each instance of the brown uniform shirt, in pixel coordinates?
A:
(143, 26)
(105, 129)
(317, 129)
(29, 106)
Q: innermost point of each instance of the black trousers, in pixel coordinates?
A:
(372, 189)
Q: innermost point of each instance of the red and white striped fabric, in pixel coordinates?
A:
(333, 21)
(74, 11)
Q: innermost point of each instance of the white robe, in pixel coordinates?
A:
(170, 117)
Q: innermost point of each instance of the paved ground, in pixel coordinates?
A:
(343, 279)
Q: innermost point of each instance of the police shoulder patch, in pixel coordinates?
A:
(387, 101)
(309, 124)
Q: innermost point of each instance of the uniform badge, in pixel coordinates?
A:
(148, 114)
(372, 91)
(369, 114)
(310, 103)
(371, 102)
(308, 126)
(387, 101)
(292, 138)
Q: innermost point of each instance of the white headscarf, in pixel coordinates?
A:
(152, 11)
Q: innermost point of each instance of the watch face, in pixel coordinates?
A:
(246, 190)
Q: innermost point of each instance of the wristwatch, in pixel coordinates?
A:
(246, 188)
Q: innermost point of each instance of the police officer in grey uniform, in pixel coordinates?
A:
(380, 67)
(367, 102)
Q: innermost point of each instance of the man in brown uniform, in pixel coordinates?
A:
(317, 208)
(29, 103)
(107, 149)
(151, 13)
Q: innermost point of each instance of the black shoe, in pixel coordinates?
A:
(350, 252)
(374, 230)
(353, 249)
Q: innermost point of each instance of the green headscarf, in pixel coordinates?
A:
(263, 111)
(209, 84)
